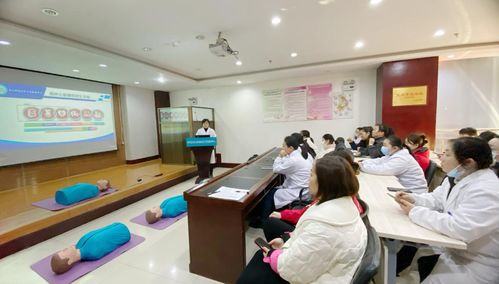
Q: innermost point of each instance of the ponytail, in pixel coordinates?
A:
(294, 142)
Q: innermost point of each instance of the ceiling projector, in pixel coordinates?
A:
(221, 47)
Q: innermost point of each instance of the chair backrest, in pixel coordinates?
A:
(364, 206)
(370, 261)
(430, 172)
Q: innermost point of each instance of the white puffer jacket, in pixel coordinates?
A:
(326, 246)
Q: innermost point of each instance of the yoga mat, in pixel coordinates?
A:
(51, 205)
(43, 268)
(162, 224)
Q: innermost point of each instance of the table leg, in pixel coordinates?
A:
(393, 246)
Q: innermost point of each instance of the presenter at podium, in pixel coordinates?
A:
(206, 131)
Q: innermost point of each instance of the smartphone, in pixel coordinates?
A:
(391, 195)
(261, 243)
(398, 189)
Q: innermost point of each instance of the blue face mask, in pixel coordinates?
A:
(455, 173)
(385, 151)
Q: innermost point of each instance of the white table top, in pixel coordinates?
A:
(390, 221)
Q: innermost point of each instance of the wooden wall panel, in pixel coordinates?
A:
(407, 73)
(36, 172)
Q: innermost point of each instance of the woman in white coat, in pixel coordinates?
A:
(397, 161)
(329, 240)
(327, 145)
(206, 130)
(295, 163)
(464, 207)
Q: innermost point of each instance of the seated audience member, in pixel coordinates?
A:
(329, 240)
(340, 144)
(356, 138)
(80, 191)
(397, 162)
(169, 208)
(303, 146)
(468, 132)
(415, 142)
(365, 135)
(92, 246)
(327, 145)
(279, 223)
(373, 149)
(295, 165)
(488, 135)
(494, 146)
(464, 207)
(309, 141)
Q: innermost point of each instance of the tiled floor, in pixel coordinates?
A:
(162, 258)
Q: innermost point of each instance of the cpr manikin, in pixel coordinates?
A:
(170, 207)
(92, 246)
(80, 191)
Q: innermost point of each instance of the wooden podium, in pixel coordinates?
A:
(202, 147)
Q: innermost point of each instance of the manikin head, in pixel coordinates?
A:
(103, 184)
(64, 260)
(153, 214)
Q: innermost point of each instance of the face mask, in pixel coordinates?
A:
(385, 151)
(455, 173)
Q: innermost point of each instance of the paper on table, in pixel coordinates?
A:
(229, 193)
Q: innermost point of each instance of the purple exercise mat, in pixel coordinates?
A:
(162, 224)
(51, 205)
(43, 268)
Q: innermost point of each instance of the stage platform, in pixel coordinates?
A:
(23, 225)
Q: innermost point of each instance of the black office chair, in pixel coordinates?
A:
(363, 216)
(370, 262)
(430, 172)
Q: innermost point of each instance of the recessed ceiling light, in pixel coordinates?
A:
(76, 70)
(451, 56)
(439, 33)
(359, 44)
(284, 9)
(239, 82)
(200, 37)
(276, 20)
(161, 80)
(239, 63)
(325, 2)
(146, 49)
(136, 82)
(50, 12)
(294, 54)
(375, 2)
(4, 42)
(103, 65)
(175, 43)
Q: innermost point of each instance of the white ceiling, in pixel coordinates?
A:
(87, 33)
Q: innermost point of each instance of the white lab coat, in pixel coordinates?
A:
(469, 214)
(329, 149)
(212, 133)
(400, 164)
(297, 171)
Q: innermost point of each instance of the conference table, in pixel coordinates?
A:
(217, 226)
(393, 226)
